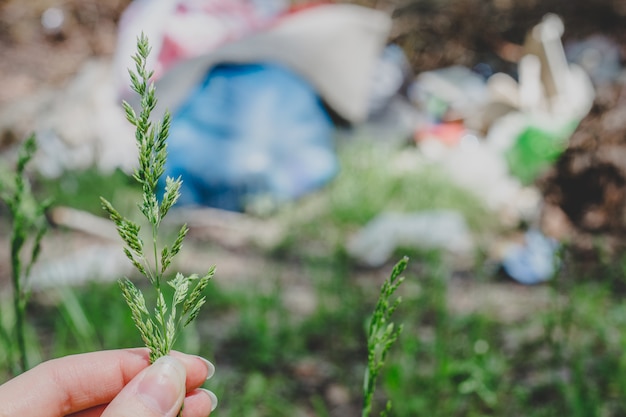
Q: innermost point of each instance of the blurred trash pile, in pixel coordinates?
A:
(428, 230)
(258, 88)
(250, 90)
(526, 121)
(495, 134)
(79, 126)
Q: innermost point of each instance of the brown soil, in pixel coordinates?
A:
(33, 59)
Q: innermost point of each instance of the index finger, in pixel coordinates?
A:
(78, 382)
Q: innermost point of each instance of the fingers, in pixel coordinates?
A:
(196, 374)
(74, 383)
(197, 403)
(158, 391)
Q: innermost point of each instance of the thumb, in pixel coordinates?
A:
(157, 391)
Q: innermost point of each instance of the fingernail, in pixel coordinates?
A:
(212, 396)
(163, 386)
(209, 366)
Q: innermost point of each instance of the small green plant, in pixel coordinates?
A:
(159, 329)
(381, 335)
(28, 228)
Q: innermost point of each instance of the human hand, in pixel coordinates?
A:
(114, 383)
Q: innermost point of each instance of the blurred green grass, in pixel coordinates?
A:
(373, 178)
(563, 355)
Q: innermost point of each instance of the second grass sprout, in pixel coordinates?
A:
(161, 325)
(382, 333)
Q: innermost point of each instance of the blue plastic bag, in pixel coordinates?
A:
(533, 262)
(248, 131)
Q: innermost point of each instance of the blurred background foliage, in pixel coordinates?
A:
(285, 323)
